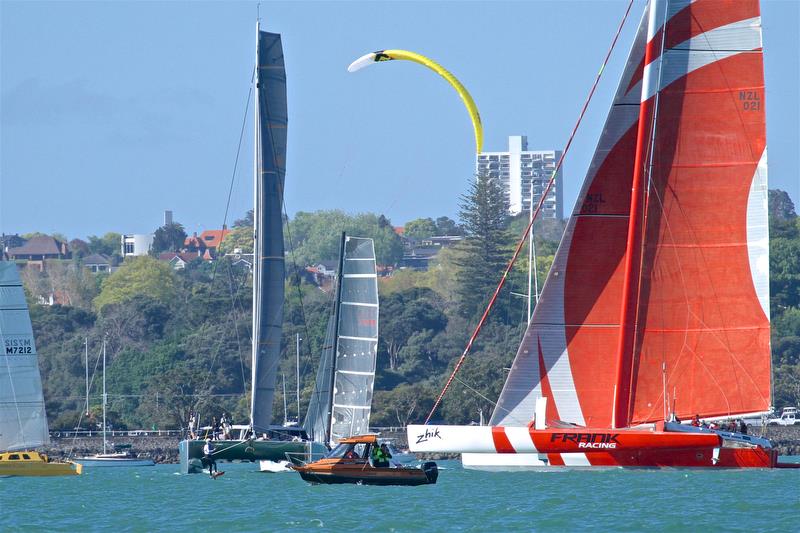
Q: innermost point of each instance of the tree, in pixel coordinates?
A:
(108, 244)
(168, 238)
(781, 206)
(315, 236)
(246, 222)
(138, 276)
(240, 237)
(420, 228)
(79, 248)
(402, 315)
(484, 212)
(448, 226)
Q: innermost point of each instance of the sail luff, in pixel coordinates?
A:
(633, 246)
(337, 306)
(268, 264)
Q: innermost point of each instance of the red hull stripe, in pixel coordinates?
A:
(588, 440)
(501, 442)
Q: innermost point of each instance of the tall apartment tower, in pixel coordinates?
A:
(519, 169)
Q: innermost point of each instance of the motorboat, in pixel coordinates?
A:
(349, 462)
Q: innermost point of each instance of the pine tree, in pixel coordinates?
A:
(483, 211)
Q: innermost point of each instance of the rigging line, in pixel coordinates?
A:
(524, 237)
(235, 166)
(299, 291)
(477, 392)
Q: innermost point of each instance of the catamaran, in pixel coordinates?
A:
(23, 422)
(262, 440)
(656, 308)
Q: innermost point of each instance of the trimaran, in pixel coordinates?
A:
(341, 402)
(656, 308)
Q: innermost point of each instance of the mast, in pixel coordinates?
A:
(285, 415)
(104, 395)
(336, 310)
(86, 367)
(297, 369)
(533, 281)
(256, 249)
(633, 247)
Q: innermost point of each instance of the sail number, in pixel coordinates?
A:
(751, 100)
(18, 346)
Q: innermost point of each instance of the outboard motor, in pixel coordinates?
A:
(431, 471)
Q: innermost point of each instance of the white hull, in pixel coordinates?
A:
(274, 467)
(115, 461)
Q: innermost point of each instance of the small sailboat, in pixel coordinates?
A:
(656, 307)
(117, 457)
(23, 422)
(341, 401)
(262, 440)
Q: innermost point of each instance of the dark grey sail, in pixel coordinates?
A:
(268, 267)
(317, 417)
(342, 400)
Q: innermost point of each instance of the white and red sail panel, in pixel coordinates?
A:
(702, 308)
(698, 287)
(568, 351)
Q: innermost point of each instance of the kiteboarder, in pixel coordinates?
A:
(208, 457)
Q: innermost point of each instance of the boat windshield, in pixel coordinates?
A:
(348, 451)
(339, 451)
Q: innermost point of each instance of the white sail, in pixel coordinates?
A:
(342, 400)
(23, 423)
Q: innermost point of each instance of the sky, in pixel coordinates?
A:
(112, 112)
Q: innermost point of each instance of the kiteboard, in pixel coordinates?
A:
(215, 475)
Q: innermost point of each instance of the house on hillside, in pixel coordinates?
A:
(98, 263)
(10, 241)
(209, 240)
(179, 260)
(39, 249)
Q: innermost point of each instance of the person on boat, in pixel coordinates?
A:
(351, 454)
(696, 421)
(192, 423)
(214, 428)
(208, 457)
(380, 456)
(742, 427)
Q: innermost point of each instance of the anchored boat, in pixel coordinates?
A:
(656, 307)
(23, 422)
(349, 462)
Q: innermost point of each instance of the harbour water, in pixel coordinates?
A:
(159, 499)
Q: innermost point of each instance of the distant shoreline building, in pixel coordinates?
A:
(136, 244)
(519, 169)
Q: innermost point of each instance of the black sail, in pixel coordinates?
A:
(268, 267)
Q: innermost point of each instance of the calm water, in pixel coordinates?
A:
(157, 498)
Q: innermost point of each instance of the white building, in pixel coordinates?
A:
(137, 244)
(519, 169)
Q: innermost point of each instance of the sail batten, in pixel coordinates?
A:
(271, 118)
(344, 410)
